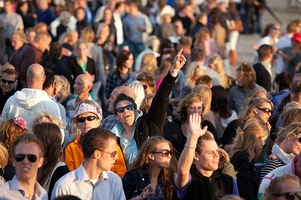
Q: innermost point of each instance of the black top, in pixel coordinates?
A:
(263, 77)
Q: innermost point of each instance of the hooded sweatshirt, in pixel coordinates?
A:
(28, 104)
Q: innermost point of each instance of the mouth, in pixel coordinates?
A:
(25, 169)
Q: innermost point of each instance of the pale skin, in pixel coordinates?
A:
(188, 154)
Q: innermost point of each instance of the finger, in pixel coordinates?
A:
(179, 53)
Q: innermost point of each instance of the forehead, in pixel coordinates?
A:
(6, 75)
(195, 103)
(86, 114)
(266, 105)
(208, 145)
(27, 148)
(79, 80)
(123, 103)
(163, 145)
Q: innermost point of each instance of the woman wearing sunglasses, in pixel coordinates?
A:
(283, 187)
(134, 127)
(247, 144)
(151, 174)
(87, 117)
(287, 145)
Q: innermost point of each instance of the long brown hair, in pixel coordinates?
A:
(143, 164)
(50, 135)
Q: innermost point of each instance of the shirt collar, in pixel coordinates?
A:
(15, 184)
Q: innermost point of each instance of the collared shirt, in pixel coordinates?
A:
(75, 183)
(78, 183)
(108, 187)
(14, 190)
(109, 122)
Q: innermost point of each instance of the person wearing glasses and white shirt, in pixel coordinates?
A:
(134, 127)
(86, 118)
(27, 159)
(93, 179)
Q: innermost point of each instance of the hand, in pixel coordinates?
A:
(179, 60)
(195, 125)
(146, 192)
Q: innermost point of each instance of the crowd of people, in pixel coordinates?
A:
(135, 100)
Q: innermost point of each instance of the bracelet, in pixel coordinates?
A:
(190, 147)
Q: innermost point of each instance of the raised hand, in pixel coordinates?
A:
(178, 63)
(195, 125)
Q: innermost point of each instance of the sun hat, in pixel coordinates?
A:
(85, 108)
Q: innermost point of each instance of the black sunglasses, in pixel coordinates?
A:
(265, 110)
(113, 154)
(290, 195)
(7, 81)
(83, 119)
(128, 107)
(31, 157)
(164, 152)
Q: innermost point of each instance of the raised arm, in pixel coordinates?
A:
(187, 155)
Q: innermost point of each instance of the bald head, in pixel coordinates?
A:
(82, 85)
(35, 76)
(116, 92)
(87, 79)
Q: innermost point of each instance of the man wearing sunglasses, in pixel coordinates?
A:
(93, 179)
(8, 84)
(27, 159)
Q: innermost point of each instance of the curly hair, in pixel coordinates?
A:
(181, 112)
(293, 115)
(9, 131)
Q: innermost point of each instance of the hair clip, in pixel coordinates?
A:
(19, 121)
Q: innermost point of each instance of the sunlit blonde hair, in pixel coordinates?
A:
(149, 63)
(205, 92)
(245, 137)
(226, 81)
(3, 156)
(294, 128)
(191, 73)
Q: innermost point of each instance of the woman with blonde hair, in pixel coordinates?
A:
(63, 90)
(152, 172)
(259, 108)
(206, 42)
(245, 152)
(69, 39)
(196, 71)
(287, 186)
(287, 145)
(216, 63)
(192, 103)
(246, 81)
(149, 63)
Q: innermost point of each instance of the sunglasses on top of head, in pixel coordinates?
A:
(128, 107)
(164, 152)
(31, 157)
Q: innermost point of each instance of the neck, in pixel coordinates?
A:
(154, 172)
(92, 171)
(205, 172)
(83, 96)
(29, 187)
(284, 146)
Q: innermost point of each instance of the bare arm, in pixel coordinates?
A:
(187, 155)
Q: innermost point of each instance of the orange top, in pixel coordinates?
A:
(73, 157)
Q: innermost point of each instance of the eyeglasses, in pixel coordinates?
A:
(299, 138)
(31, 157)
(164, 152)
(83, 119)
(265, 110)
(128, 107)
(276, 28)
(113, 154)
(289, 195)
(7, 81)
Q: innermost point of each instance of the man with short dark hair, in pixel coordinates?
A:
(201, 180)
(8, 84)
(263, 67)
(27, 159)
(93, 179)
